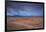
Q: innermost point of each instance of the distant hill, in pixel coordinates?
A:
(19, 16)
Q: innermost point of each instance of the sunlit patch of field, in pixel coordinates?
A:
(15, 23)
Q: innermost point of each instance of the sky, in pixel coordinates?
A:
(24, 9)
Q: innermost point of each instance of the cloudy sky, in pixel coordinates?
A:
(24, 9)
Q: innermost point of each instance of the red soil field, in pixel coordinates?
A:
(16, 23)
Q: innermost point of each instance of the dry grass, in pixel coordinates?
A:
(14, 23)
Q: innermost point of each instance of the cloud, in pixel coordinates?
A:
(25, 10)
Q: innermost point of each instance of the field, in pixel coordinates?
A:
(17, 23)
